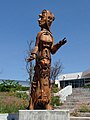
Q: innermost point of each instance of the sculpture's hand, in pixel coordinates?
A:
(32, 57)
(58, 45)
(63, 41)
(29, 59)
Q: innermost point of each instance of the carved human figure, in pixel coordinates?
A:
(44, 47)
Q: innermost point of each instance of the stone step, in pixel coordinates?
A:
(81, 89)
(78, 100)
(71, 109)
(72, 106)
(84, 114)
(80, 93)
(77, 92)
(79, 118)
(79, 96)
(78, 103)
(71, 103)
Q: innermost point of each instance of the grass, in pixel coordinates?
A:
(84, 108)
(74, 113)
(11, 102)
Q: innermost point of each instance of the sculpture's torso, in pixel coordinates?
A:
(45, 44)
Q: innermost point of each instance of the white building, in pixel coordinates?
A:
(75, 79)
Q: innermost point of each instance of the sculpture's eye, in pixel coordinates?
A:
(50, 18)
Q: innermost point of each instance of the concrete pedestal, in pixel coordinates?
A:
(44, 115)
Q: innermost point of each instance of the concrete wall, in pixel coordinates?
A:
(44, 115)
(9, 116)
(37, 115)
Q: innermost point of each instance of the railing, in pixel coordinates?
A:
(63, 93)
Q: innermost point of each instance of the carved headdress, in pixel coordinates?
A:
(49, 17)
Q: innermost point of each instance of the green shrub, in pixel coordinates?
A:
(23, 88)
(84, 108)
(55, 101)
(11, 85)
(22, 95)
(87, 86)
(11, 109)
(55, 88)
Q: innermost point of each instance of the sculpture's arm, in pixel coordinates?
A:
(35, 50)
(33, 54)
(58, 45)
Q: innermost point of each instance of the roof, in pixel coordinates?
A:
(73, 76)
(86, 73)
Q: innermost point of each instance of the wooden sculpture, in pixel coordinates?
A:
(44, 46)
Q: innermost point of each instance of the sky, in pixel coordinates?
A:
(18, 24)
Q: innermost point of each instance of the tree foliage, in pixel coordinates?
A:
(11, 85)
(55, 70)
(29, 65)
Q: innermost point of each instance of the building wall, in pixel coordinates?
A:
(75, 79)
(70, 76)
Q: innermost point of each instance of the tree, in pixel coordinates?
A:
(56, 69)
(29, 65)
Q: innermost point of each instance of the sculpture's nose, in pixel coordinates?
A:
(39, 19)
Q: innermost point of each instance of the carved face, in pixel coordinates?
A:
(45, 19)
(42, 19)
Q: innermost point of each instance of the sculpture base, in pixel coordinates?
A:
(44, 115)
